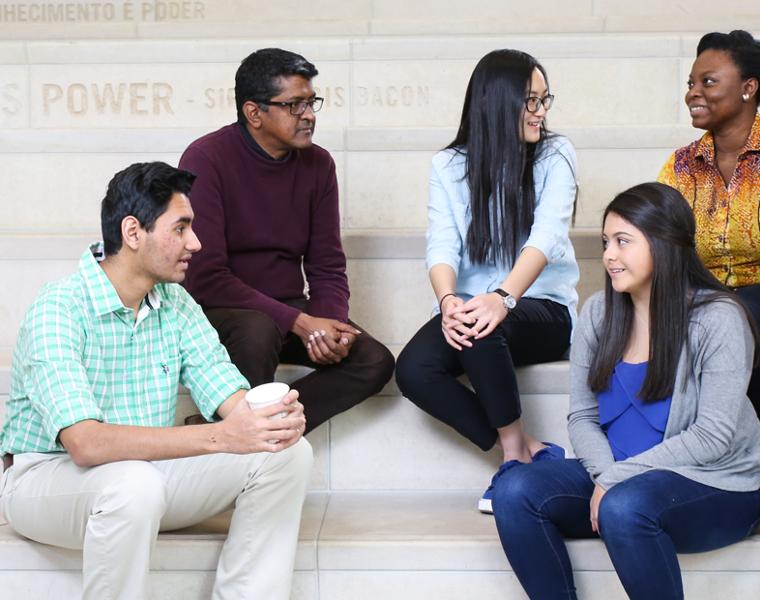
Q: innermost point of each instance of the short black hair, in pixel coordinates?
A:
(256, 78)
(741, 46)
(143, 191)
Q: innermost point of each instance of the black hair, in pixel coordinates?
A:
(741, 46)
(680, 283)
(499, 164)
(143, 191)
(257, 77)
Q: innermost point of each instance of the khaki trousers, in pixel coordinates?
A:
(113, 512)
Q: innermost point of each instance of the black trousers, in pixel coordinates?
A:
(427, 369)
(256, 347)
(750, 294)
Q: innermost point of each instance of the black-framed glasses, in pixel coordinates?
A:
(533, 102)
(298, 107)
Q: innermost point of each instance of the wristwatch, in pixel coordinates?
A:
(507, 299)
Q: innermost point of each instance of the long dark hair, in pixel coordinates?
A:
(499, 164)
(680, 283)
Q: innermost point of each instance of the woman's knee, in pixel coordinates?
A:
(625, 508)
(516, 491)
(408, 371)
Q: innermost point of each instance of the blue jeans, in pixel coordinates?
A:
(643, 521)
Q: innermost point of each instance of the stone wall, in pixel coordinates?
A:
(87, 87)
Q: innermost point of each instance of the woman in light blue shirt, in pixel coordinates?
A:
(502, 197)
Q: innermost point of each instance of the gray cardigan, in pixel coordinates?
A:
(712, 435)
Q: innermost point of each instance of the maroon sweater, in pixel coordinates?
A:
(257, 219)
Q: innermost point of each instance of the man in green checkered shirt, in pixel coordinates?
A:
(92, 458)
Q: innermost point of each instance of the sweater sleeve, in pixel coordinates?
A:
(209, 278)
(722, 362)
(324, 262)
(589, 441)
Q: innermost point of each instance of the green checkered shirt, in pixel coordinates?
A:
(81, 354)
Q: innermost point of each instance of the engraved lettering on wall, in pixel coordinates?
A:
(393, 96)
(127, 99)
(93, 11)
(10, 99)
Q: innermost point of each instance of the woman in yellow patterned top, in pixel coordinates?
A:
(719, 174)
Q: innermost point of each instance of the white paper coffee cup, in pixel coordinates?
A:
(266, 394)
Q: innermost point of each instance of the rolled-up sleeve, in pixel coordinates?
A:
(59, 388)
(444, 244)
(556, 170)
(206, 367)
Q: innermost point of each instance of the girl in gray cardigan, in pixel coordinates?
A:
(667, 442)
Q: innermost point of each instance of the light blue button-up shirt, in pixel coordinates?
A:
(449, 218)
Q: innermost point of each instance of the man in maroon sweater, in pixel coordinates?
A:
(266, 205)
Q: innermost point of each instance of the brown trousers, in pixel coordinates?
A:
(256, 347)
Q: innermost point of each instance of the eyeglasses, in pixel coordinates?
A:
(533, 102)
(296, 108)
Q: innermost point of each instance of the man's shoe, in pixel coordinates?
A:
(484, 504)
(551, 452)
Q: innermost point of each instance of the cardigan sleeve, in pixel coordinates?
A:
(589, 441)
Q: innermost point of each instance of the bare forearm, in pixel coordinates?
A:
(443, 279)
(91, 443)
(525, 271)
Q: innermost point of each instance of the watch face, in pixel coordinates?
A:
(510, 302)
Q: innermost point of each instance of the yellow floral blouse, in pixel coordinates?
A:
(727, 217)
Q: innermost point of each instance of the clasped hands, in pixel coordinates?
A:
(327, 341)
(463, 321)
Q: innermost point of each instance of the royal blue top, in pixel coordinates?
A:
(632, 425)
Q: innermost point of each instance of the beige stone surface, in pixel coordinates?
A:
(182, 585)
(67, 190)
(391, 298)
(702, 8)
(223, 50)
(12, 53)
(14, 111)
(606, 173)
(484, 9)
(409, 93)
(536, 23)
(606, 91)
(386, 189)
(425, 454)
(540, 46)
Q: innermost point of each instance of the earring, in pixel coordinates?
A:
(745, 97)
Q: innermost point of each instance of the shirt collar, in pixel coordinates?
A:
(102, 294)
(256, 147)
(706, 144)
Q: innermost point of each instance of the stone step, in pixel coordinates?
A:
(406, 546)
(393, 257)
